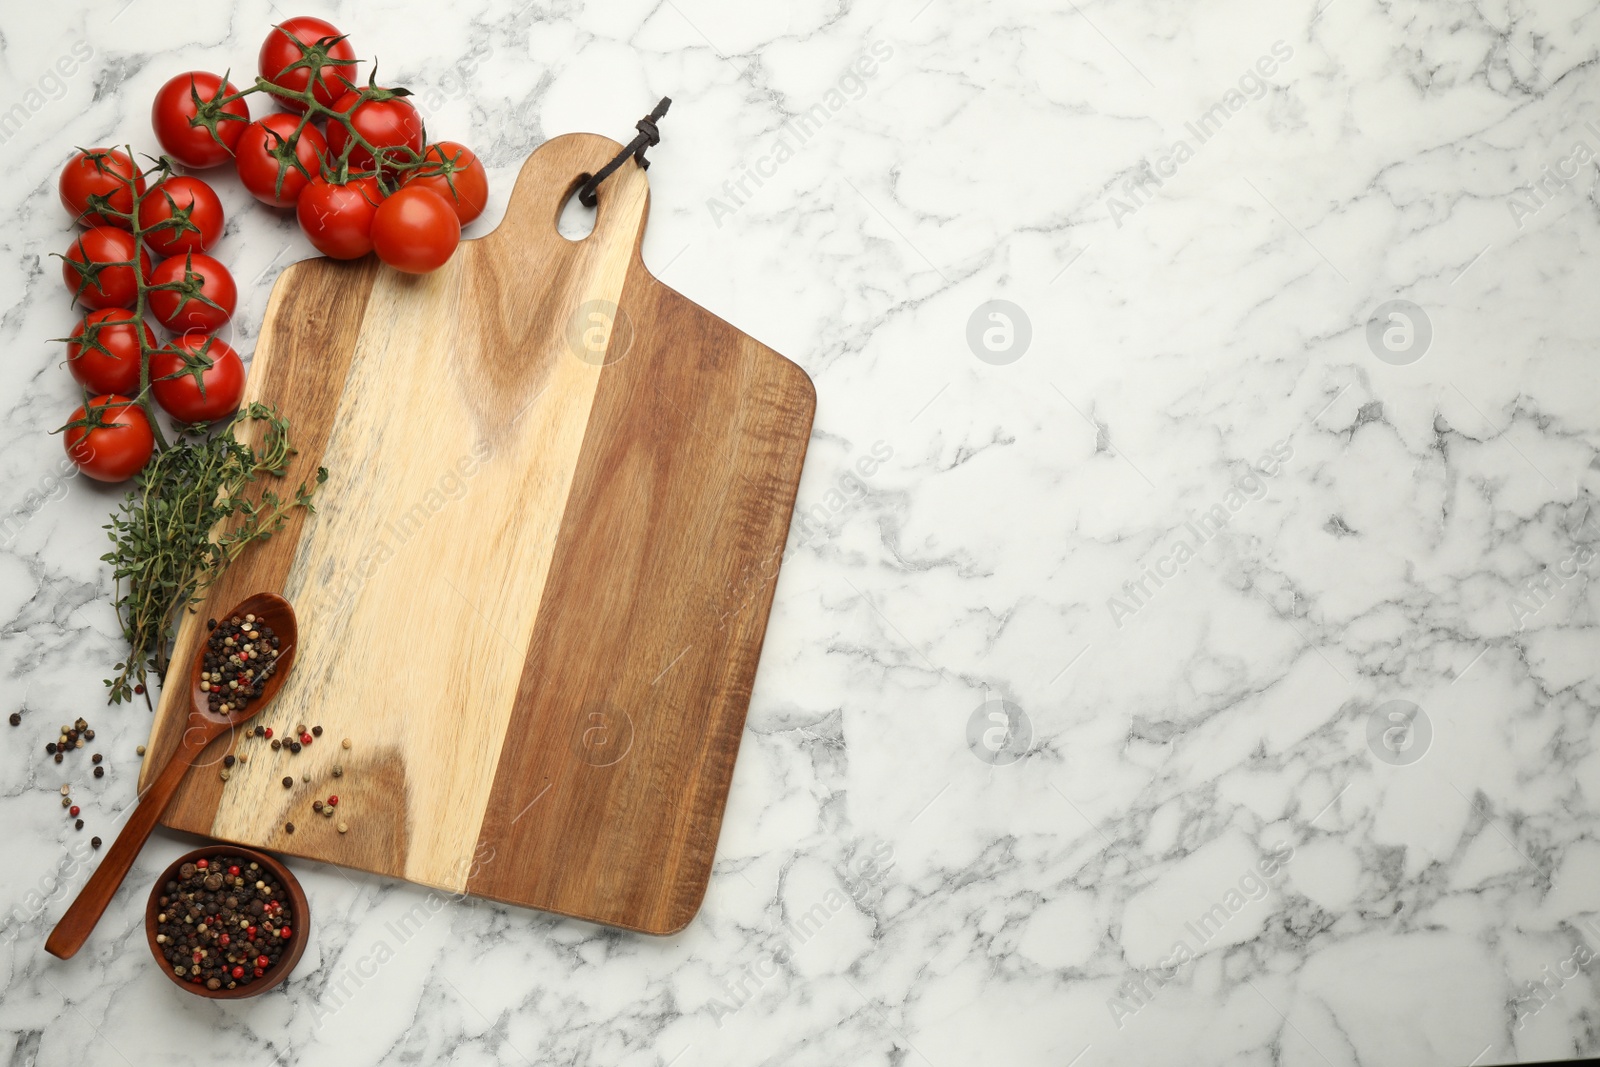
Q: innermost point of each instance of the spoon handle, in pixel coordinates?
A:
(74, 928)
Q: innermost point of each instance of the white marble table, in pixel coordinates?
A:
(1073, 740)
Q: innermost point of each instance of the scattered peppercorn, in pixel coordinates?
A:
(316, 731)
(228, 761)
(288, 782)
(50, 748)
(316, 806)
(66, 801)
(73, 810)
(78, 825)
(276, 744)
(99, 772)
(294, 746)
(65, 789)
(16, 718)
(139, 750)
(88, 735)
(344, 827)
(94, 842)
(288, 827)
(345, 743)
(58, 757)
(338, 771)
(95, 758)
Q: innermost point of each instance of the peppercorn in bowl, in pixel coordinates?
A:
(226, 922)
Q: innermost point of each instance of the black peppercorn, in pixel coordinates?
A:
(78, 825)
(16, 718)
(228, 761)
(294, 746)
(95, 759)
(99, 772)
(50, 748)
(58, 757)
(94, 842)
(288, 827)
(211, 624)
(316, 731)
(287, 782)
(88, 735)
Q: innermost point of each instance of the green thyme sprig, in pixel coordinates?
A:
(189, 515)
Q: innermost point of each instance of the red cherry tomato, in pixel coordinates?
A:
(103, 351)
(297, 39)
(203, 296)
(191, 127)
(181, 215)
(263, 155)
(197, 378)
(415, 230)
(110, 439)
(452, 171)
(98, 268)
(99, 178)
(392, 123)
(337, 219)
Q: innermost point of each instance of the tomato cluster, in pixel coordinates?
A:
(353, 161)
(144, 252)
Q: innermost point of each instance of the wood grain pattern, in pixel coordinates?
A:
(536, 585)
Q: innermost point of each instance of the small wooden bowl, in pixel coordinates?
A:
(278, 971)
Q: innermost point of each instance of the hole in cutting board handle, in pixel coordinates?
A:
(576, 221)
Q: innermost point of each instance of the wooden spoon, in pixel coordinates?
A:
(204, 727)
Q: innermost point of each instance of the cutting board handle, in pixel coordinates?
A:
(553, 174)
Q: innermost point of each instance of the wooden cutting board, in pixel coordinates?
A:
(535, 587)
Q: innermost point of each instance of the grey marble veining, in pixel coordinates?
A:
(1206, 680)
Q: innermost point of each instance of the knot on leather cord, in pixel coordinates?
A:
(649, 136)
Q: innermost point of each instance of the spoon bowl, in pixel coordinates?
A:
(272, 610)
(204, 726)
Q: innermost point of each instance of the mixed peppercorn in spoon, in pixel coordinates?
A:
(241, 654)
